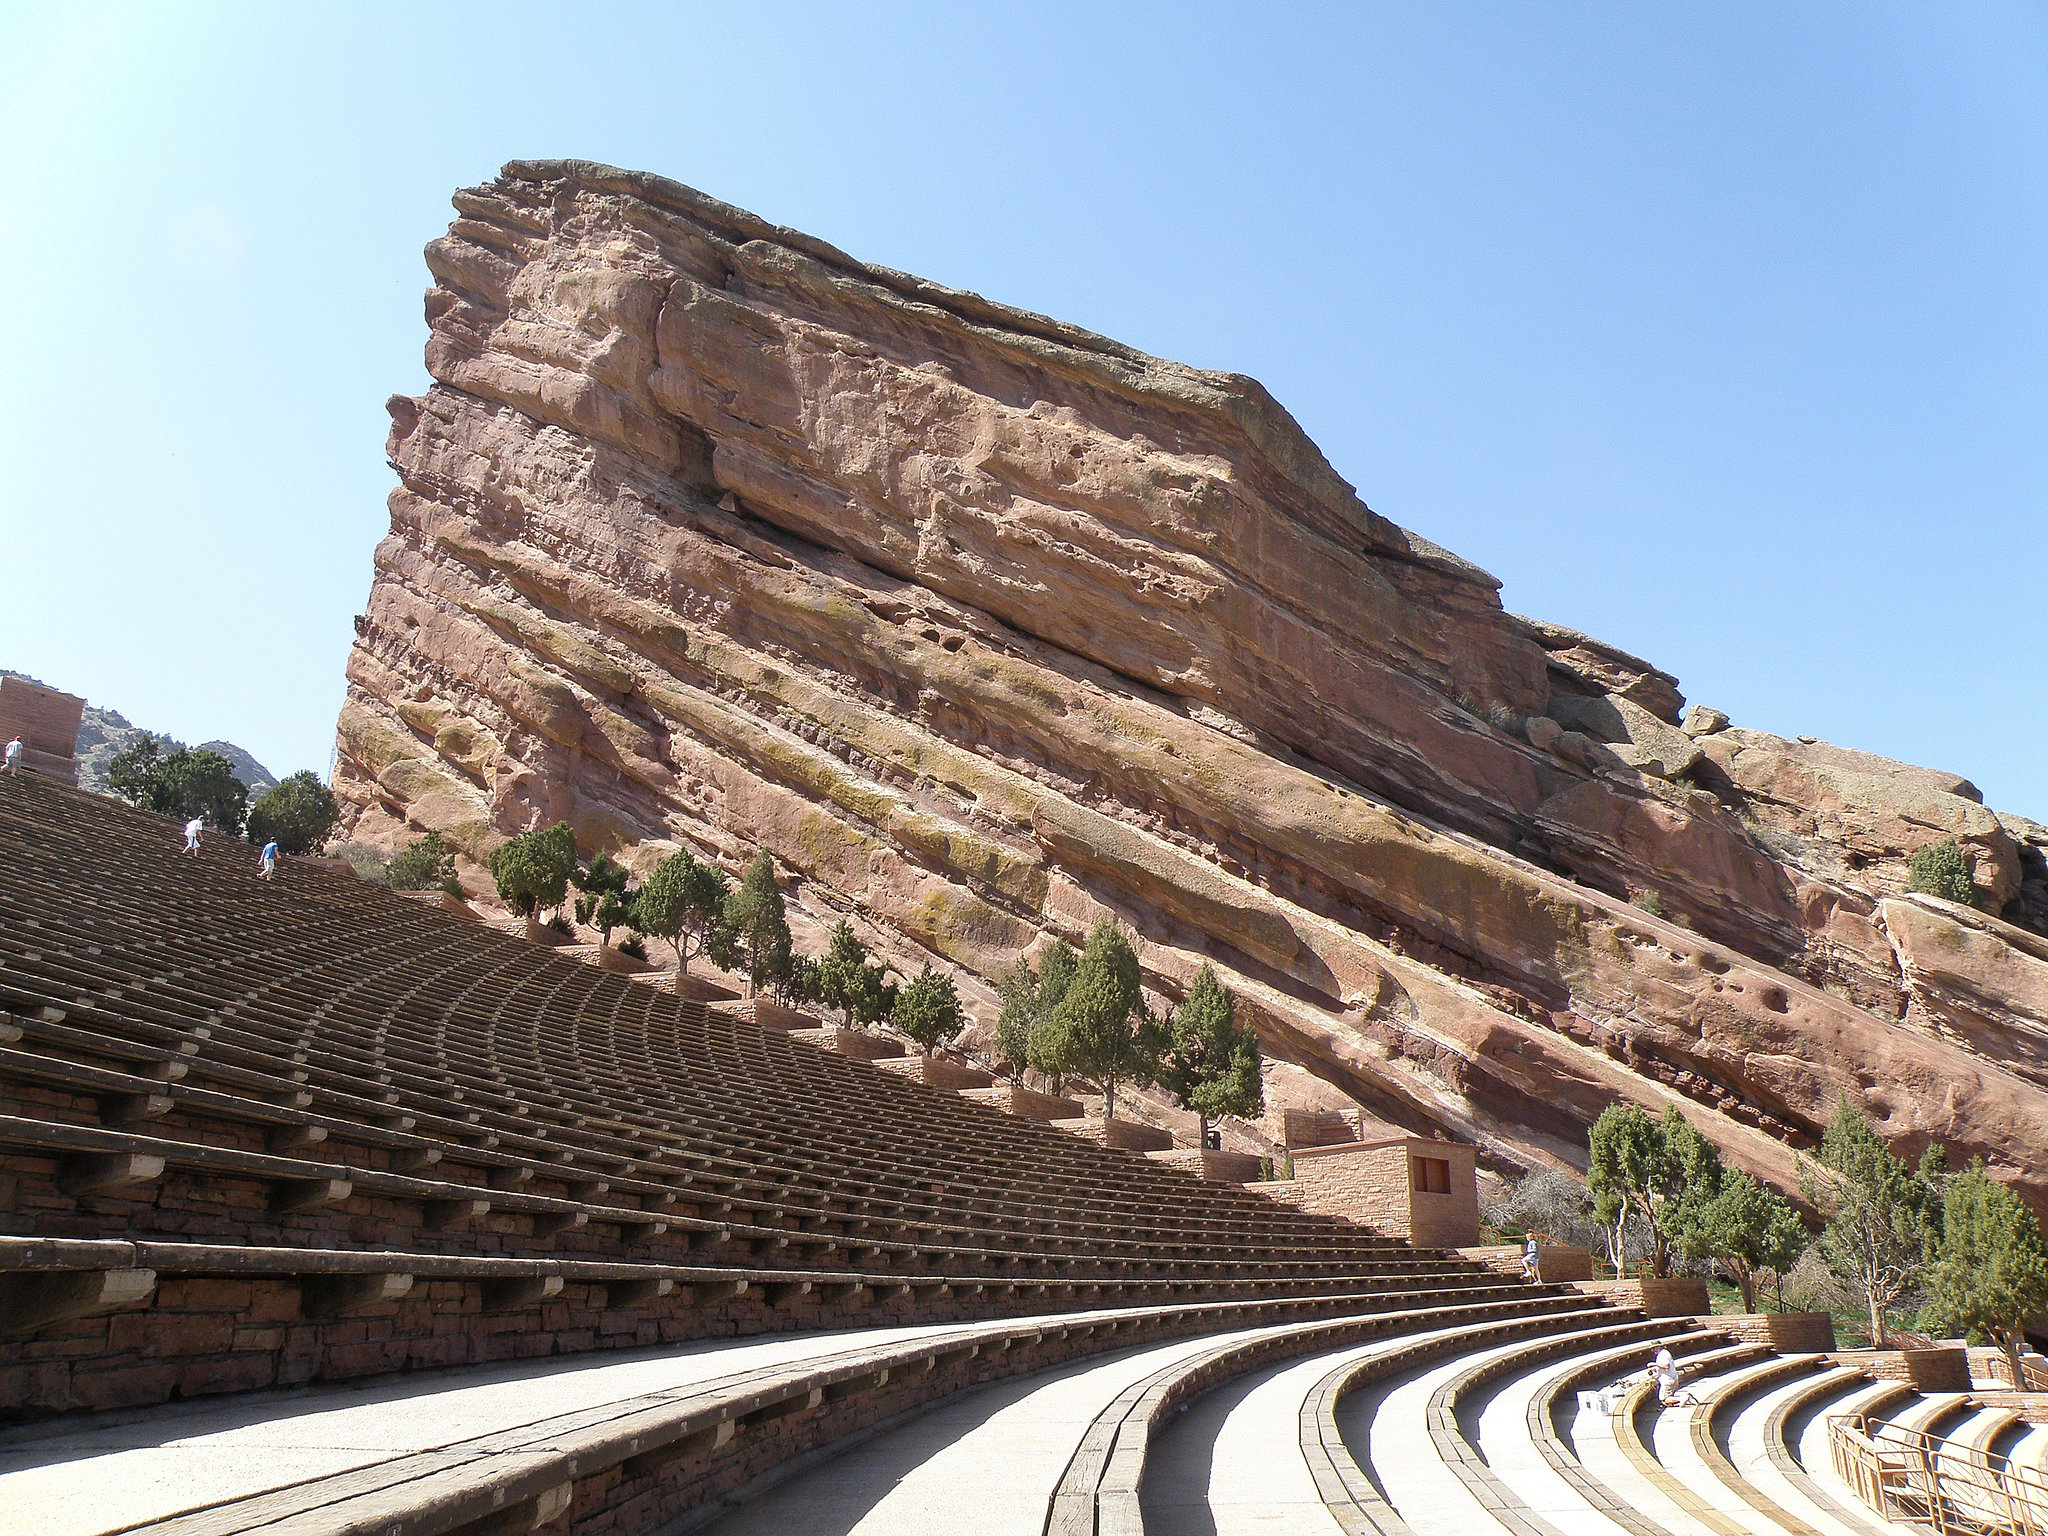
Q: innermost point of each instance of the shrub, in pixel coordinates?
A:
(1647, 900)
(420, 865)
(298, 813)
(1942, 869)
(635, 946)
(368, 863)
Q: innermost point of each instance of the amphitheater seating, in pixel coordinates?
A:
(309, 1101)
(306, 1132)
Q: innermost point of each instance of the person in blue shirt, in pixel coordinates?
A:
(269, 865)
(1530, 1270)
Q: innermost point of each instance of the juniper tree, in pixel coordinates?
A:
(682, 902)
(298, 813)
(1019, 990)
(1045, 1046)
(603, 901)
(1745, 1228)
(1942, 869)
(1210, 1064)
(1990, 1269)
(760, 930)
(1882, 1213)
(1100, 1028)
(532, 869)
(928, 1009)
(422, 864)
(846, 981)
(1662, 1171)
(183, 783)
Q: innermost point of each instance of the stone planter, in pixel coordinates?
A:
(1791, 1333)
(1029, 1103)
(1653, 1298)
(1134, 1137)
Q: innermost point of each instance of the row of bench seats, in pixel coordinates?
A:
(195, 1062)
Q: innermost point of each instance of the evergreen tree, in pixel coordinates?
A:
(603, 900)
(799, 983)
(1942, 869)
(928, 1009)
(1747, 1227)
(1882, 1214)
(759, 928)
(682, 902)
(1662, 1171)
(183, 783)
(131, 772)
(846, 981)
(532, 869)
(421, 865)
(1210, 1064)
(1100, 1028)
(299, 813)
(1019, 1016)
(1045, 1046)
(1990, 1271)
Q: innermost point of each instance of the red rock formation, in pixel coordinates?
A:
(988, 627)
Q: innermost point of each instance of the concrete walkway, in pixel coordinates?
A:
(86, 1477)
(1512, 1454)
(1232, 1465)
(986, 1462)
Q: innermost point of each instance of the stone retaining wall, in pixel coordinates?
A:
(1673, 1297)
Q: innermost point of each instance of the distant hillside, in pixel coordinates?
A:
(103, 732)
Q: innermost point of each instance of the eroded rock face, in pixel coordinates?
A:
(988, 627)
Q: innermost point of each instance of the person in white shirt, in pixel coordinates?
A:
(192, 831)
(14, 756)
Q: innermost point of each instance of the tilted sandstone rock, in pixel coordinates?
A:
(988, 628)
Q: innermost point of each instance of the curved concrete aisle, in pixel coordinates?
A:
(1600, 1453)
(986, 1461)
(1232, 1462)
(87, 1477)
(1388, 1436)
(1752, 1458)
(1512, 1454)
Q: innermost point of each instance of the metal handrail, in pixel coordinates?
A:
(1934, 1481)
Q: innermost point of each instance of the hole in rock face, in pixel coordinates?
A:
(1774, 998)
(1713, 964)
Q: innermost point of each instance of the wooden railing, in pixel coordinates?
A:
(1930, 1480)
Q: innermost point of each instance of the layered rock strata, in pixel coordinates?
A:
(988, 627)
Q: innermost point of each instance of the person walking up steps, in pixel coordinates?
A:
(14, 757)
(1531, 1268)
(269, 865)
(192, 831)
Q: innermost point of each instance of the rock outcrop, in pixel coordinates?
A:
(989, 627)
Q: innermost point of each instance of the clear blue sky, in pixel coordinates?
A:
(1720, 332)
